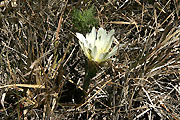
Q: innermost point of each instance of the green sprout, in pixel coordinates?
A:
(83, 21)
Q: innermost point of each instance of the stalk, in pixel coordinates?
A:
(91, 70)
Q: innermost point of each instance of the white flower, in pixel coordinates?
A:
(97, 46)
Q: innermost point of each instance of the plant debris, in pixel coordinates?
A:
(42, 67)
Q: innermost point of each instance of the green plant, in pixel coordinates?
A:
(83, 21)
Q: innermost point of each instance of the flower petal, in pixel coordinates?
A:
(85, 50)
(87, 53)
(94, 51)
(101, 32)
(101, 57)
(99, 41)
(82, 39)
(113, 52)
(91, 37)
(110, 38)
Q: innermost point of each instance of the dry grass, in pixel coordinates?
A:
(42, 67)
